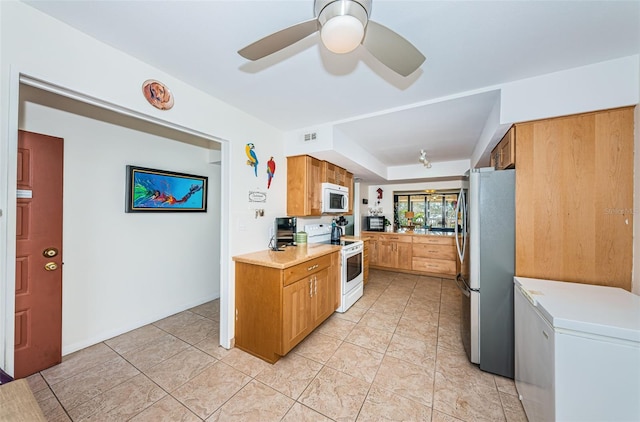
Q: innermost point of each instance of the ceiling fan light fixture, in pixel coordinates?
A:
(342, 24)
(342, 34)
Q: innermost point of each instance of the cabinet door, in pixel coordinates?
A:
(296, 311)
(322, 302)
(386, 253)
(373, 250)
(403, 255)
(314, 185)
(341, 176)
(328, 172)
(304, 178)
(574, 198)
(508, 150)
(348, 182)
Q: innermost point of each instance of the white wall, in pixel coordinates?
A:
(598, 86)
(45, 49)
(121, 270)
(370, 193)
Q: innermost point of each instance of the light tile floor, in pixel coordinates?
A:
(395, 355)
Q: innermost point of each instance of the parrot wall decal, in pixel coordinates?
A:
(271, 169)
(252, 157)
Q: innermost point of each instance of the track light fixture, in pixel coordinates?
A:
(423, 159)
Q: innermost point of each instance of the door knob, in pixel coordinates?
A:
(50, 266)
(50, 252)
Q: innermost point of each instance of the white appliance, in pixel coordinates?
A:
(335, 198)
(351, 264)
(486, 273)
(577, 351)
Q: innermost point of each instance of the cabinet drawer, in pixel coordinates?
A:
(439, 266)
(426, 250)
(299, 271)
(398, 238)
(434, 240)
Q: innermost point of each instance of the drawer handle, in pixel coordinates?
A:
(313, 267)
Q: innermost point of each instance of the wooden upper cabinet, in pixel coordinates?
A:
(574, 198)
(304, 179)
(305, 176)
(335, 174)
(338, 176)
(348, 182)
(503, 155)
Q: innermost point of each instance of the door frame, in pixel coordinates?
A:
(8, 181)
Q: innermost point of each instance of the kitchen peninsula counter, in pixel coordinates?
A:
(282, 296)
(419, 232)
(415, 251)
(290, 256)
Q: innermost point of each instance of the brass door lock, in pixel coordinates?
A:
(50, 266)
(50, 252)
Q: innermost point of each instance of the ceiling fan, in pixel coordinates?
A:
(343, 25)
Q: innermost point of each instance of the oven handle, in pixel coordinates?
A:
(353, 252)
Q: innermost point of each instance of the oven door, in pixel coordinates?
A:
(351, 269)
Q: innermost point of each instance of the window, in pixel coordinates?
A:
(430, 210)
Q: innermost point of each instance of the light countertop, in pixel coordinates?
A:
(290, 256)
(417, 232)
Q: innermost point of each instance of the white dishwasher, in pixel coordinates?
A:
(577, 351)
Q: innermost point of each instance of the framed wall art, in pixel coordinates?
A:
(151, 190)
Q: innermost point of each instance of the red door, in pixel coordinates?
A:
(38, 318)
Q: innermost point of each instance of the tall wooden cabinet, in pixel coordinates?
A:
(304, 179)
(574, 198)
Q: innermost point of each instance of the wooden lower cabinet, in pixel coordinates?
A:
(414, 253)
(373, 249)
(435, 255)
(365, 260)
(277, 308)
(394, 252)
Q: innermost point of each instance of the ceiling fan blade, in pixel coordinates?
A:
(391, 49)
(279, 40)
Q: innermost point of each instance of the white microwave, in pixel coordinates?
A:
(335, 198)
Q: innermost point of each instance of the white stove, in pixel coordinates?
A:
(351, 264)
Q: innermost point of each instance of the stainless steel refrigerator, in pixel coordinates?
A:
(487, 270)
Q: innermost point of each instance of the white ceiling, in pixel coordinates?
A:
(470, 47)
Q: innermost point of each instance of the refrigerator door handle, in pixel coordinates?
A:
(464, 288)
(461, 206)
